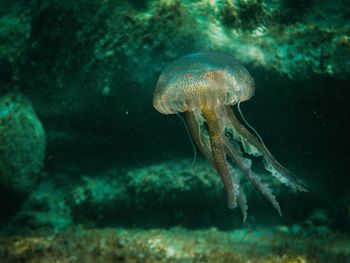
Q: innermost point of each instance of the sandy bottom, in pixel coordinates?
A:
(174, 245)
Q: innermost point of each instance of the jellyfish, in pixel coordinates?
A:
(205, 85)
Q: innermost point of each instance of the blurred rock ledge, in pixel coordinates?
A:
(160, 194)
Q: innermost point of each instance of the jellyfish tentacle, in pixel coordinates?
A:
(244, 164)
(218, 154)
(253, 146)
(243, 204)
(201, 137)
(195, 123)
(241, 197)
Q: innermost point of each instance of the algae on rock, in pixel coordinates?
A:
(22, 144)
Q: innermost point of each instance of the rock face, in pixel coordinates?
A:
(107, 49)
(169, 191)
(14, 35)
(22, 144)
(164, 193)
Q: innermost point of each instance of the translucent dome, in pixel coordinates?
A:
(204, 79)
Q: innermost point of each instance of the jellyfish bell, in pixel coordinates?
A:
(204, 85)
(202, 80)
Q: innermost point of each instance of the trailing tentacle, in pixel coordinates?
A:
(253, 146)
(245, 166)
(200, 135)
(241, 197)
(216, 134)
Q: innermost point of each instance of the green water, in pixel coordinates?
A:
(120, 179)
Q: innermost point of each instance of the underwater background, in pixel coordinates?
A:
(91, 172)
